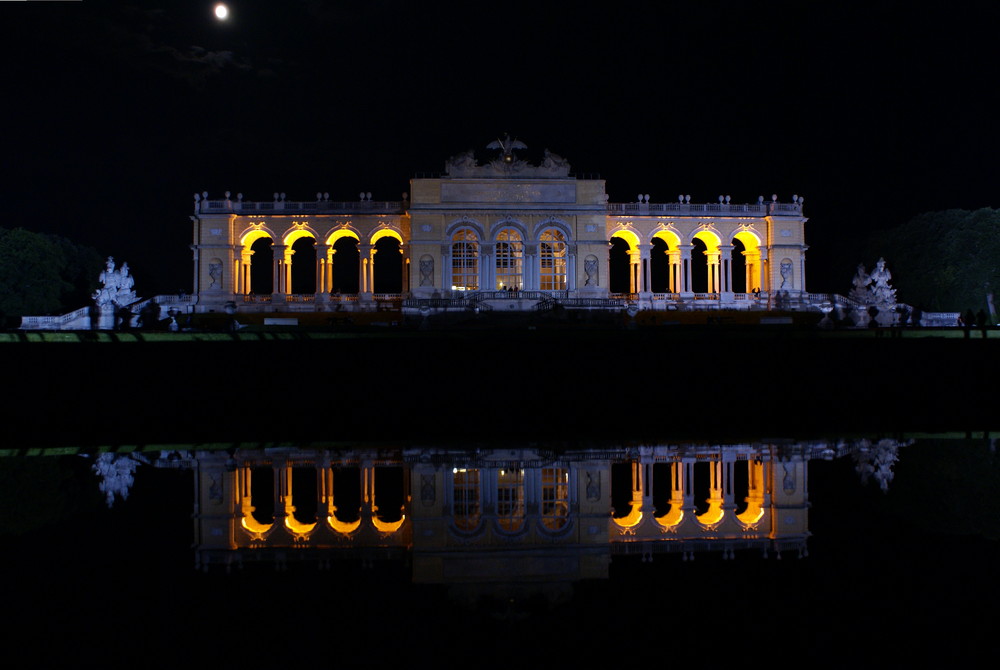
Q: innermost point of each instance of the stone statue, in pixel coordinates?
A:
(117, 286)
(461, 163)
(786, 274)
(861, 282)
(116, 474)
(882, 295)
(554, 163)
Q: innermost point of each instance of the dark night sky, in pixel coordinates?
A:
(115, 114)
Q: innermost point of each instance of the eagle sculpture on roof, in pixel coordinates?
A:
(507, 146)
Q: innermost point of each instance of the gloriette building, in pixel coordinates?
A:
(503, 234)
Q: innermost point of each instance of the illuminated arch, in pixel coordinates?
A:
(297, 233)
(342, 527)
(388, 527)
(340, 233)
(748, 237)
(669, 236)
(628, 235)
(709, 237)
(386, 232)
(254, 233)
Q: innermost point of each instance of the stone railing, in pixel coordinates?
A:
(293, 207)
(717, 208)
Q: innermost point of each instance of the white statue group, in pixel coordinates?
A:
(117, 286)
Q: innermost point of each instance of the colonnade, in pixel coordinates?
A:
(368, 512)
(679, 274)
(281, 269)
(721, 501)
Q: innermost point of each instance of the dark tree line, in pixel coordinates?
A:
(44, 274)
(942, 261)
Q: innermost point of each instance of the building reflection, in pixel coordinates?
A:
(507, 514)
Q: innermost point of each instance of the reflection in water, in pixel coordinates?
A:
(460, 554)
(501, 515)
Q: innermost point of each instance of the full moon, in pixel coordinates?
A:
(221, 12)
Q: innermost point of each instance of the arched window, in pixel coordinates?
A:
(555, 497)
(465, 261)
(509, 259)
(466, 506)
(552, 254)
(510, 499)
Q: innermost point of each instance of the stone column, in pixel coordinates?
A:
(278, 272)
(674, 265)
(726, 267)
(446, 269)
(322, 253)
(644, 255)
(685, 251)
(713, 271)
(364, 268)
(487, 267)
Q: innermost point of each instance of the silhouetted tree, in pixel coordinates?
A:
(44, 274)
(942, 260)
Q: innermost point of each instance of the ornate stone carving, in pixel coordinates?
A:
(590, 266)
(426, 271)
(786, 274)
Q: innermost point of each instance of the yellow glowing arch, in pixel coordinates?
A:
(388, 527)
(629, 236)
(669, 237)
(297, 234)
(749, 239)
(340, 234)
(709, 237)
(254, 234)
(386, 232)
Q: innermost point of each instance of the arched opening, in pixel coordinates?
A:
(466, 498)
(303, 266)
(555, 498)
(347, 494)
(702, 486)
(739, 267)
(262, 267)
(659, 267)
(618, 265)
(746, 262)
(509, 260)
(388, 268)
(262, 493)
(510, 499)
(346, 260)
(389, 493)
(741, 485)
(465, 260)
(552, 257)
(621, 489)
(699, 266)
(304, 494)
(662, 488)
